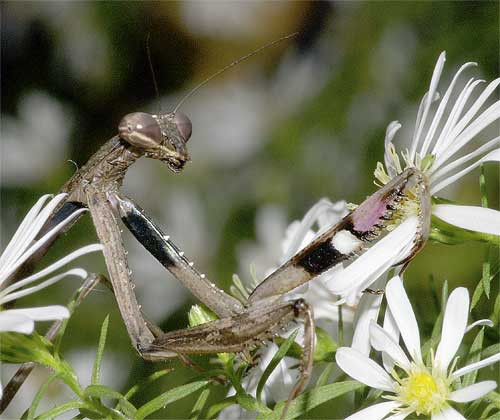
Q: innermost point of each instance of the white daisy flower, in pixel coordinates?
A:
(21, 247)
(413, 386)
(438, 147)
(438, 151)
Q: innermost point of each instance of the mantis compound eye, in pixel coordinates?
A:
(140, 130)
(184, 125)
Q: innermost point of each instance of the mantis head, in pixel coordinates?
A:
(161, 137)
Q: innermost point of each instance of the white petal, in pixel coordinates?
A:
(427, 104)
(444, 171)
(16, 322)
(448, 414)
(403, 314)
(53, 267)
(442, 106)
(374, 412)
(367, 311)
(477, 219)
(390, 132)
(491, 88)
(331, 215)
(363, 369)
(448, 135)
(27, 221)
(491, 114)
(454, 324)
(390, 250)
(78, 272)
(38, 244)
(472, 392)
(295, 236)
(382, 341)
(31, 231)
(475, 366)
(43, 313)
(485, 322)
(493, 156)
(391, 328)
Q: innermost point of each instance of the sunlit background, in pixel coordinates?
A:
(302, 120)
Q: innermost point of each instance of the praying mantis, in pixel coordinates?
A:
(241, 326)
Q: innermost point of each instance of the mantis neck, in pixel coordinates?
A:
(104, 171)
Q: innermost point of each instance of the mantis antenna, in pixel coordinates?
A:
(150, 61)
(234, 63)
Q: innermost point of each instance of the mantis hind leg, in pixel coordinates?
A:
(243, 332)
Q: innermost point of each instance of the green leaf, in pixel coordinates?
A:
(90, 282)
(233, 377)
(448, 234)
(21, 348)
(433, 341)
(200, 403)
(280, 354)
(493, 398)
(39, 395)
(473, 356)
(486, 278)
(311, 399)
(216, 408)
(427, 162)
(372, 396)
(103, 391)
(444, 295)
(56, 411)
(325, 346)
(324, 350)
(478, 292)
(434, 291)
(491, 350)
(168, 397)
(323, 378)
(97, 414)
(151, 378)
(100, 350)
(496, 310)
(199, 314)
(249, 403)
(340, 326)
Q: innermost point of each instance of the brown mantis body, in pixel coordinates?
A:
(241, 326)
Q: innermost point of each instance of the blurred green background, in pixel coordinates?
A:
(300, 121)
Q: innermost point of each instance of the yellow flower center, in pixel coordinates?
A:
(423, 393)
